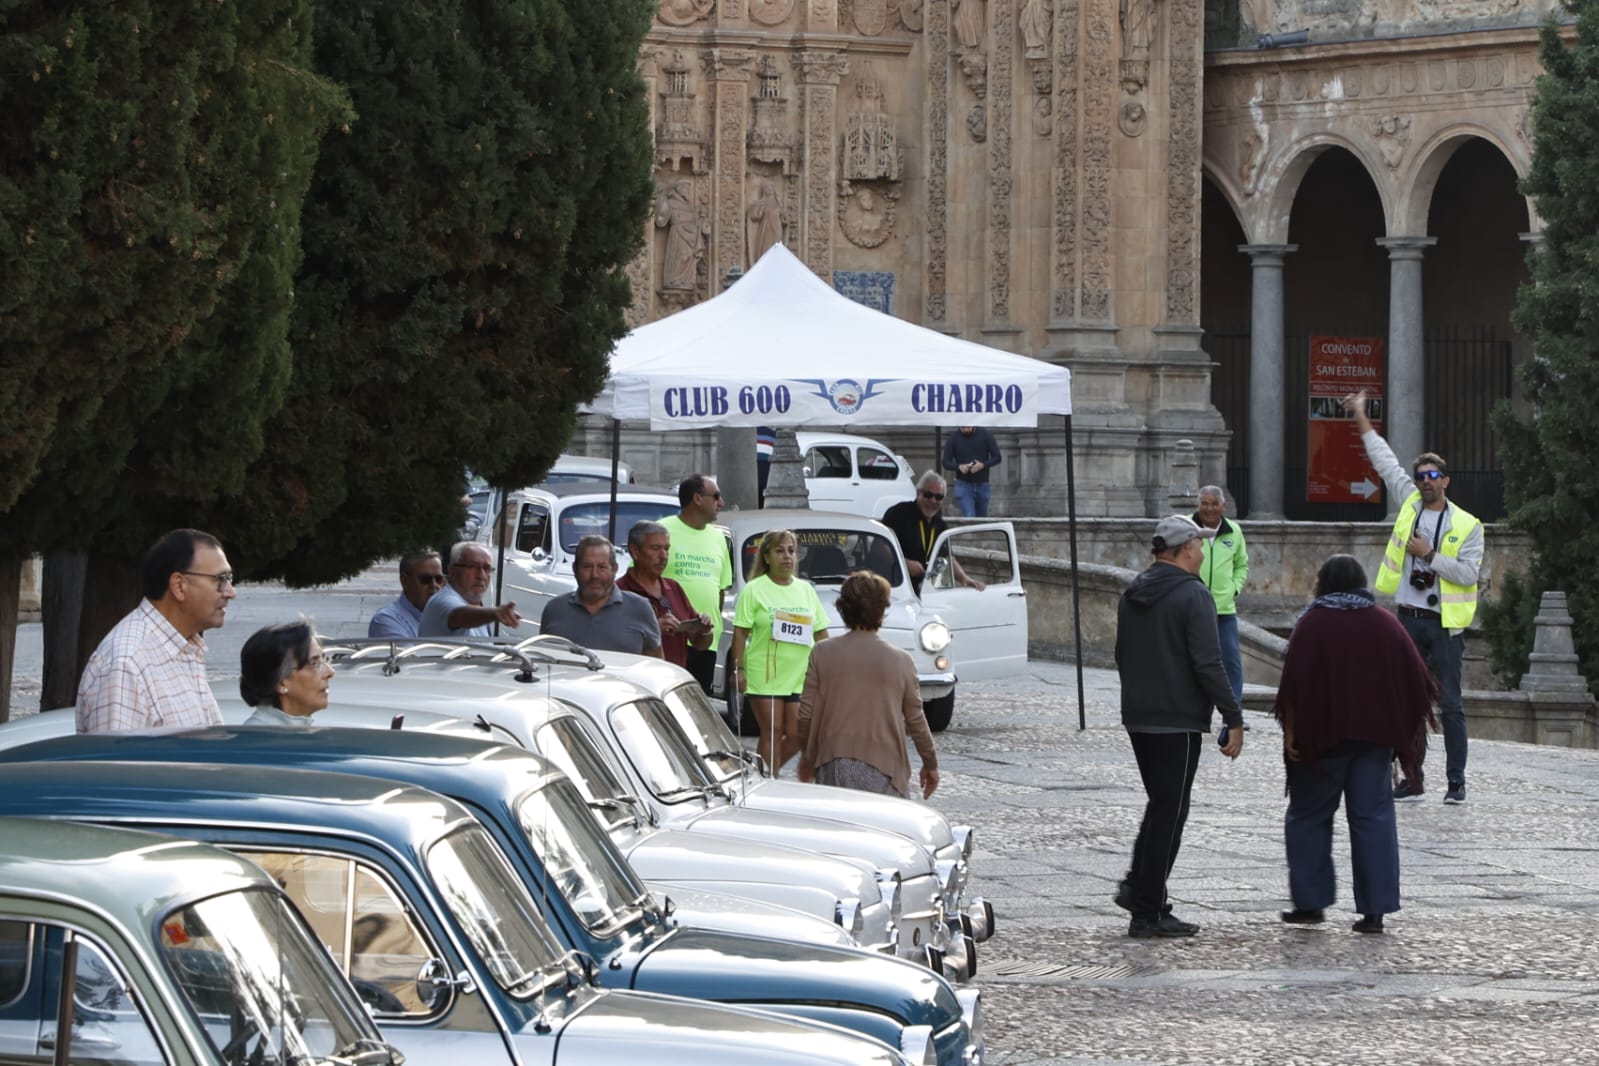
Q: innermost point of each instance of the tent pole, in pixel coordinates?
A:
(1077, 614)
(498, 518)
(616, 468)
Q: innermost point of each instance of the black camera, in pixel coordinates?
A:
(1422, 580)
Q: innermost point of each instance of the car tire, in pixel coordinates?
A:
(939, 712)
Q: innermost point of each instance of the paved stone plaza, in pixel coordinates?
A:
(1494, 959)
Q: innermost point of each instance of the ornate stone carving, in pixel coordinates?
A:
(974, 68)
(819, 72)
(770, 12)
(869, 17)
(866, 212)
(1132, 118)
(937, 157)
(767, 217)
(1393, 134)
(1137, 19)
(1098, 77)
(910, 14)
(686, 227)
(1036, 20)
(1183, 163)
(1063, 299)
(969, 24)
(679, 137)
(871, 147)
(684, 12)
(731, 70)
(999, 167)
(1043, 98)
(770, 139)
(977, 122)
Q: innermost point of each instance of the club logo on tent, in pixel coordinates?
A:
(846, 396)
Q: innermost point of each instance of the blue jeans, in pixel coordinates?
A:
(972, 498)
(1443, 654)
(1232, 657)
(1361, 778)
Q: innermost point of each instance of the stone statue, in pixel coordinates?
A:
(766, 222)
(685, 236)
(1138, 28)
(969, 23)
(1037, 19)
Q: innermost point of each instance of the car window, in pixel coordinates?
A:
(663, 757)
(828, 461)
(362, 922)
(828, 556)
(579, 859)
(877, 465)
(983, 555)
(594, 519)
(16, 959)
(533, 529)
(565, 742)
(107, 1017)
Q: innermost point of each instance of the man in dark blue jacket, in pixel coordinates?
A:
(1169, 659)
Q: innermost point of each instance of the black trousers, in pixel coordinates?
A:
(702, 664)
(1166, 762)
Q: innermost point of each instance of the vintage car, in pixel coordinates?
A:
(695, 907)
(631, 745)
(735, 771)
(855, 475)
(595, 903)
(416, 899)
(130, 949)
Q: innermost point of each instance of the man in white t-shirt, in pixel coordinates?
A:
(700, 563)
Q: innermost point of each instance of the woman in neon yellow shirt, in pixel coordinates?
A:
(776, 621)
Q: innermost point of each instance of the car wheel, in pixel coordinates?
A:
(939, 712)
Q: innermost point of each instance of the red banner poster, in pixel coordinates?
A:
(1337, 470)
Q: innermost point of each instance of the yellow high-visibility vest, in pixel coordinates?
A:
(1457, 604)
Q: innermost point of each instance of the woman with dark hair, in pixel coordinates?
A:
(777, 620)
(1354, 696)
(283, 675)
(861, 700)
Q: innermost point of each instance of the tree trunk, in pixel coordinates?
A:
(110, 591)
(60, 605)
(10, 590)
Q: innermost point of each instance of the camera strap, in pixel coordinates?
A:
(1437, 534)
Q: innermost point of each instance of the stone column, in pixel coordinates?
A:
(1557, 692)
(730, 70)
(1266, 378)
(1406, 406)
(819, 73)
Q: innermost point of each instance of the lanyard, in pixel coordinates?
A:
(926, 529)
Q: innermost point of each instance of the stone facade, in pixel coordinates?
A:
(1028, 174)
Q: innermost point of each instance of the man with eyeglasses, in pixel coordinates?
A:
(917, 523)
(1431, 568)
(701, 563)
(421, 575)
(457, 609)
(149, 671)
(682, 627)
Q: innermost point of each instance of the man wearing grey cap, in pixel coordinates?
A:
(1169, 659)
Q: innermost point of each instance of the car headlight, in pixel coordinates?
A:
(888, 883)
(971, 1002)
(935, 637)
(916, 1044)
(847, 913)
(963, 839)
(949, 877)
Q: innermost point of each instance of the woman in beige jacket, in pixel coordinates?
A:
(861, 700)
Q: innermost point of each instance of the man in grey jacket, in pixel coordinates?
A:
(1169, 659)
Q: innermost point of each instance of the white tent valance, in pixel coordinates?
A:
(781, 348)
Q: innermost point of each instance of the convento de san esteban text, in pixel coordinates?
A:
(1182, 201)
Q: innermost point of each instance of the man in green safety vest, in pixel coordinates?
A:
(1430, 567)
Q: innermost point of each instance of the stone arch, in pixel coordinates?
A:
(1212, 170)
(1415, 200)
(1286, 170)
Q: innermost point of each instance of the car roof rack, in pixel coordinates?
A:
(525, 655)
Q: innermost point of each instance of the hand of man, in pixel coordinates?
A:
(977, 466)
(669, 623)
(929, 780)
(973, 583)
(1355, 404)
(1418, 546)
(506, 613)
(1235, 742)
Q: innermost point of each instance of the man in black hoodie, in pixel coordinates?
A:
(1169, 659)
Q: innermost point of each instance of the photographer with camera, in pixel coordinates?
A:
(1431, 567)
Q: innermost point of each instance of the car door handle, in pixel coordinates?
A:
(1017, 595)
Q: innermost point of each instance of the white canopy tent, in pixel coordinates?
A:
(781, 348)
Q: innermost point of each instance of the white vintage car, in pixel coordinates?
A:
(856, 475)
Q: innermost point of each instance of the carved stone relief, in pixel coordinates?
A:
(869, 17)
(771, 140)
(1183, 163)
(974, 67)
(969, 24)
(1098, 77)
(770, 12)
(999, 168)
(767, 218)
(910, 14)
(866, 212)
(679, 138)
(1137, 20)
(1063, 301)
(1393, 134)
(1036, 20)
(819, 73)
(684, 223)
(871, 166)
(937, 157)
(1043, 96)
(730, 68)
(685, 12)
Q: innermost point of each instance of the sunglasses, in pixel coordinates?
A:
(932, 495)
(429, 579)
(1429, 475)
(712, 495)
(224, 579)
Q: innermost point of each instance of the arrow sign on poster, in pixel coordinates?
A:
(1337, 468)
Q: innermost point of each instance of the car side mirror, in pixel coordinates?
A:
(433, 982)
(539, 555)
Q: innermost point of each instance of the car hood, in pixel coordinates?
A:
(881, 849)
(667, 1031)
(669, 855)
(694, 909)
(747, 971)
(906, 817)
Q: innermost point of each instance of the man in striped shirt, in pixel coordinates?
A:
(149, 671)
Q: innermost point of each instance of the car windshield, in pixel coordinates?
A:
(265, 991)
(564, 742)
(706, 730)
(579, 520)
(828, 556)
(494, 909)
(658, 750)
(579, 860)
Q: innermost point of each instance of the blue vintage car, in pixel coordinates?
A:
(586, 889)
(412, 896)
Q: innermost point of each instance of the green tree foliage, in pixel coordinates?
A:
(1550, 454)
(463, 282)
